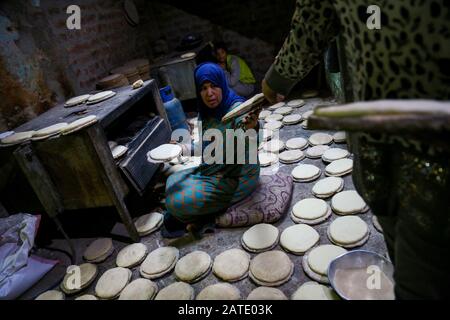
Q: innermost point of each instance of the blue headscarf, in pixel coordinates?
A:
(211, 72)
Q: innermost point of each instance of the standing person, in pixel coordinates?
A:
(239, 76)
(406, 180)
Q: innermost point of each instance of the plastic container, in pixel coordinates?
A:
(174, 109)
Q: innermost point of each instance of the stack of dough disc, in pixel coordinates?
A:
(149, 223)
(327, 187)
(267, 134)
(51, 295)
(159, 262)
(99, 250)
(101, 96)
(131, 73)
(299, 238)
(273, 125)
(296, 103)
(131, 255)
(340, 137)
(112, 81)
(87, 272)
(273, 117)
(292, 119)
(333, 154)
(339, 167)
(320, 138)
(119, 151)
(79, 124)
(193, 267)
(291, 156)
(309, 94)
(348, 232)
(49, 131)
(266, 293)
(86, 297)
(306, 114)
(310, 211)
(316, 152)
(276, 106)
(260, 237)
(376, 224)
(232, 265)
(263, 114)
(273, 145)
(219, 291)
(297, 143)
(17, 138)
(112, 282)
(176, 291)
(267, 158)
(305, 173)
(139, 289)
(76, 100)
(312, 290)
(315, 263)
(283, 110)
(271, 268)
(348, 202)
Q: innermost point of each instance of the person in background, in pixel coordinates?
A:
(406, 180)
(240, 77)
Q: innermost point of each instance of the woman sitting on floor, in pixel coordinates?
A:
(195, 196)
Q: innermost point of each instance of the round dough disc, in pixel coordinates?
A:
(80, 123)
(292, 119)
(266, 293)
(98, 249)
(320, 257)
(112, 282)
(274, 146)
(297, 143)
(320, 138)
(18, 137)
(267, 158)
(273, 125)
(283, 110)
(131, 255)
(310, 209)
(339, 167)
(271, 268)
(348, 230)
(88, 272)
(139, 289)
(219, 291)
(51, 130)
(165, 152)
(296, 103)
(231, 265)
(260, 237)
(193, 266)
(326, 187)
(314, 291)
(188, 55)
(267, 134)
(86, 297)
(276, 106)
(159, 262)
(176, 291)
(119, 151)
(291, 156)
(273, 117)
(305, 172)
(263, 114)
(316, 151)
(148, 223)
(299, 238)
(307, 114)
(101, 96)
(340, 137)
(77, 100)
(348, 202)
(51, 295)
(333, 154)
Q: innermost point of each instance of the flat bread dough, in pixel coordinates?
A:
(119, 151)
(86, 297)
(99, 250)
(266, 293)
(333, 154)
(274, 145)
(159, 262)
(260, 237)
(101, 96)
(312, 290)
(148, 223)
(271, 268)
(347, 230)
(176, 291)
(263, 114)
(283, 110)
(231, 265)
(348, 202)
(305, 173)
(306, 114)
(297, 103)
(193, 266)
(79, 124)
(112, 282)
(291, 156)
(320, 257)
(339, 167)
(267, 158)
(244, 107)
(51, 130)
(87, 271)
(18, 137)
(51, 295)
(292, 119)
(310, 209)
(165, 152)
(77, 100)
(188, 55)
(320, 138)
(316, 152)
(273, 125)
(273, 117)
(276, 106)
(219, 291)
(297, 143)
(299, 238)
(131, 255)
(139, 289)
(340, 137)
(327, 187)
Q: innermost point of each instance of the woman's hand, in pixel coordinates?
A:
(251, 120)
(270, 95)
